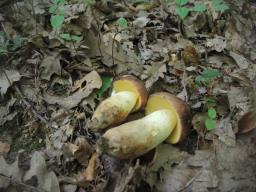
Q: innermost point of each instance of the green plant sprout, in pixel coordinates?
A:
(58, 13)
(9, 45)
(106, 84)
(206, 76)
(68, 37)
(122, 23)
(182, 10)
(218, 5)
(210, 120)
(88, 2)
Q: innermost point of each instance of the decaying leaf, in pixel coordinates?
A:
(46, 180)
(50, 65)
(86, 176)
(247, 122)
(81, 150)
(7, 78)
(155, 71)
(93, 81)
(11, 171)
(190, 55)
(240, 60)
(5, 114)
(84, 150)
(225, 132)
(4, 148)
(218, 43)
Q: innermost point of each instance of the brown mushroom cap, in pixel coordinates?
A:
(131, 83)
(163, 100)
(247, 122)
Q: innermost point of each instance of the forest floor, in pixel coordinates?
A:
(58, 60)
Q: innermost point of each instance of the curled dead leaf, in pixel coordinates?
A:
(247, 122)
(84, 150)
(190, 55)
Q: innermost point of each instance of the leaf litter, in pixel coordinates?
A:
(51, 84)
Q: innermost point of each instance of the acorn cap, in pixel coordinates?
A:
(133, 84)
(247, 122)
(163, 100)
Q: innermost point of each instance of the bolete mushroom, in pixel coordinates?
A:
(167, 118)
(129, 95)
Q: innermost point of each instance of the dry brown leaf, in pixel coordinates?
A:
(218, 43)
(154, 72)
(241, 61)
(247, 122)
(7, 78)
(84, 150)
(50, 65)
(93, 81)
(190, 55)
(4, 148)
(90, 172)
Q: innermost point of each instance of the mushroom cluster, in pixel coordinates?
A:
(167, 118)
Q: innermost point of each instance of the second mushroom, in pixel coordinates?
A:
(167, 119)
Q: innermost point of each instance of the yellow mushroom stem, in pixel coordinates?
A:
(113, 110)
(136, 138)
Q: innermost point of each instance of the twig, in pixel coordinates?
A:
(27, 103)
(31, 107)
(18, 183)
(190, 181)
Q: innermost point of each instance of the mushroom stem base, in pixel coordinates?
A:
(136, 138)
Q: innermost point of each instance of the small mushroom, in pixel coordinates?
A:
(129, 95)
(247, 122)
(167, 118)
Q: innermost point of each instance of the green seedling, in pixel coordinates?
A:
(69, 37)
(206, 76)
(106, 84)
(218, 5)
(199, 7)
(9, 45)
(58, 13)
(210, 120)
(122, 23)
(88, 2)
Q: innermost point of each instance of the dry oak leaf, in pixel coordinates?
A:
(93, 81)
(7, 78)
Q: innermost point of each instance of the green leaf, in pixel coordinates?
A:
(76, 38)
(16, 42)
(181, 2)
(57, 20)
(210, 124)
(65, 36)
(88, 2)
(212, 114)
(206, 76)
(106, 84)
(199, 7)
(182, 12)
(210, 100)
(218, 5)
(62, 2)
(122, 23)
(53, 9)
(3, 50)
(221, 7)
(210, 73)
(55, 2)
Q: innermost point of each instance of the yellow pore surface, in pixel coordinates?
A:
(126, 85)
(158, 102)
